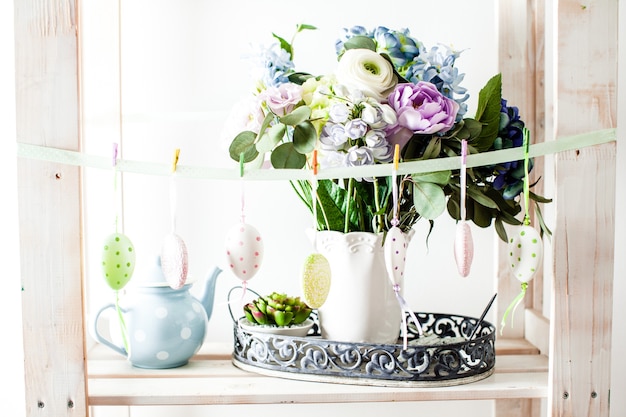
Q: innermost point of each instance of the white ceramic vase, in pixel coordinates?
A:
(361, 305)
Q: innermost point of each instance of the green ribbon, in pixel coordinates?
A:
(513, 306)
(44, 153)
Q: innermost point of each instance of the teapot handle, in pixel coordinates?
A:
(102, 339)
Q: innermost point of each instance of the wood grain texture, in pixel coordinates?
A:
(49, 201)
(585, 207)
(582, 305)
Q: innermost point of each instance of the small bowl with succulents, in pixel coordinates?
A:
(278, 314)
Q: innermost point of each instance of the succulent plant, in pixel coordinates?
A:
(278, 309)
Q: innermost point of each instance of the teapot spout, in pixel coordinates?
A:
(208, 297)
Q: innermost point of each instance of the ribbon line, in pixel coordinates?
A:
(569, 143)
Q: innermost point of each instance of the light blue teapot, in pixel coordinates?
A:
(165, 326)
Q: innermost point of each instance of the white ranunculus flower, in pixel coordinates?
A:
(368, 71)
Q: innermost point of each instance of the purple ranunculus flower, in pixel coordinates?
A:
(421, 108)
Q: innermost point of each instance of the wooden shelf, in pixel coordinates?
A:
(211, 378)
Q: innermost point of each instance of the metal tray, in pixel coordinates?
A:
(312, 358)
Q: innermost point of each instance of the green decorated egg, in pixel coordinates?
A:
(525, 250)
(118, 260)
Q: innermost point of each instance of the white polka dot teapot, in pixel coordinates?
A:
(158, 326)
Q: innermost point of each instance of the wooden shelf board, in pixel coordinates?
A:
(211, 378)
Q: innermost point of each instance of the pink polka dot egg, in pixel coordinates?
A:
(244, 251)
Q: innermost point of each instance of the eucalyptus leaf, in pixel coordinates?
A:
(271, 138)
(285, 156)
(360, 42)
(439, 177)
(297, 116)
(429, 199)
(244, 144)
(304, 137)
(299, 77)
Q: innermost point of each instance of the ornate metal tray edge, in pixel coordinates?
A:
(312, 358)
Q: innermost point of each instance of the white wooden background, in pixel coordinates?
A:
(619, 268)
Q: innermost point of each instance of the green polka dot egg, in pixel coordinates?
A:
(118, 260)
(525, 250)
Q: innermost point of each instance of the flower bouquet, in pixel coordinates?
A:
(388, 89)
(389, 99)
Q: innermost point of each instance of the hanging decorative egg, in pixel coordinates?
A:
(525, 250)
(463, 248)
(395, 254)
(118, 260)
(244, 251)
(174, 260)
(315, 280)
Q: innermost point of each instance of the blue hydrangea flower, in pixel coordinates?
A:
(509, 176)
(437, 67)
(271, 65)
(401, 47)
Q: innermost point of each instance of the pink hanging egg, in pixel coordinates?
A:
(174, 260)
(463, 248)
(525, 250)
(244, 251)
(395, 254)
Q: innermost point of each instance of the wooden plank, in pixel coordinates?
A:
(521, 46)
(537, 330)
(518, 408)
(585, 204)
(582, 305)
(258, 389)
(47, 113)
(112, 380)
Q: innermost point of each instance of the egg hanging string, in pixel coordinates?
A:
(395, 248)
(525, 246)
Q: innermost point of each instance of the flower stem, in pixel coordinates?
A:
(346, 225)
(379, 218)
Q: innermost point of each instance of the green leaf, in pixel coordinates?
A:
(304, 26)
(439, 177)
(500, 229)
(285, 156)
(271, 138)
(433, 149)
(360, 42)
(481, 215)
(284, 45)
(299, 77)
(472, 127)
(475, 194)
(332, 198)
(243, 144)
(304, 137)
(429, 199)
(297, 116)
(488, 113)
